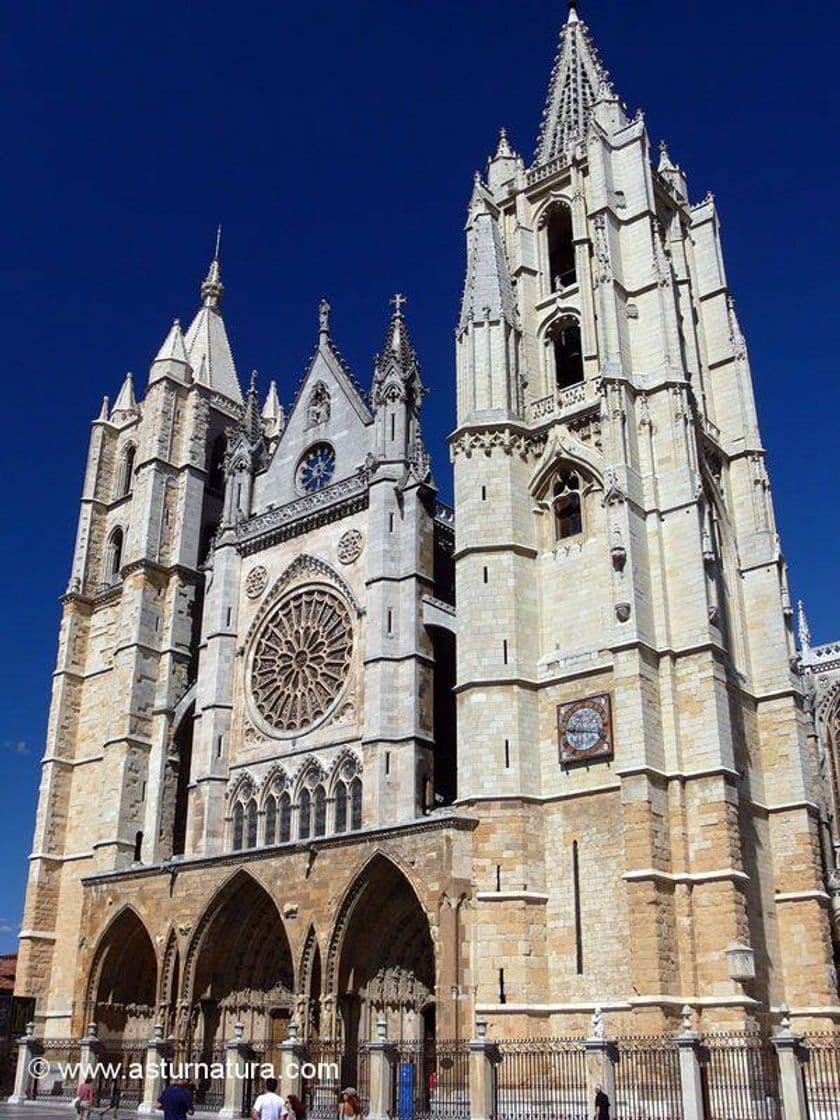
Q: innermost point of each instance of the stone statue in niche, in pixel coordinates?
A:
(318, 409)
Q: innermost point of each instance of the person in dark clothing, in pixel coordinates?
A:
(602, 1104)
(176, 1101)
(296, 1107)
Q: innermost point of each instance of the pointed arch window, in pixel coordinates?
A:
(216, 470)
(356, 804)
(251, 824)
(285, 815)
(126, 481)
(568, 354)
(304, 815)
(114, 558)
(561, 248)
(341, 807)
(238, 826)
(568, 511)
(271, 821)
(320, 811)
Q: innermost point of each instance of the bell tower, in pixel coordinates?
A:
(622, 730)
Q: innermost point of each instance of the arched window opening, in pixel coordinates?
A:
(561, 249)
(285, 818)
(216, 471)
(568, 354)
(251, 819)
(115, 551)
(568, 513)
(238, 826)
(304, 815)
(356, 804)
(271, 821)
(341, 807)
(127, 471)
(320, 811)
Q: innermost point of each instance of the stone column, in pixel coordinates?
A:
(237, 1057)
(291, 1055)
(89, 1056)
(788, 1048)
(482, 1074)
(690, 1076)
(381, 1071)
(28, 1049)
(600, 1062)
(154, 1081)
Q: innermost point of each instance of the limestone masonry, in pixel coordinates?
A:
(322, 750)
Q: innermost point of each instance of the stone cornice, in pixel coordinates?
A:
(330, 504)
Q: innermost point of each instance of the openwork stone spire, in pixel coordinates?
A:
(576, 79)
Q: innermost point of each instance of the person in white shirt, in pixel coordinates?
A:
(269, 1105)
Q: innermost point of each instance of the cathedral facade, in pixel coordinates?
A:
(324, 751)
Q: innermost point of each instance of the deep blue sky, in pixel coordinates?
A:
(336, 143)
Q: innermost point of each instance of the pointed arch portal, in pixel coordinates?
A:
(241, 967)
(383, 963)
(123, 982)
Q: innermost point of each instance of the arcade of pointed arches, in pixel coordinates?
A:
(284, 810)
(379, 961)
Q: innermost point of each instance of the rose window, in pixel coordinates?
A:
(301, 659)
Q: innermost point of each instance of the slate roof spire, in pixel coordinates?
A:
(206, 341)
(576, 79)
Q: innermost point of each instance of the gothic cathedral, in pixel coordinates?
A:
(324, 753)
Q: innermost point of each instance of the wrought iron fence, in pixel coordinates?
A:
(821, 1073)
(540, 1079)
(203, 1066)
(328, 1066)
(431, 1080)
(740, 1077)
(121, 1073)
(647, 1079)
(55, 1084)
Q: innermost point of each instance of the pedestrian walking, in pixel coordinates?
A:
(113, 1105)
(176, 1101)
(602, 1104)
(269, 1105)
(84, 1097)
(295, 1107)
(350, 1105)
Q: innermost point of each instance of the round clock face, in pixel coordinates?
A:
(315, 469)
(584, 728)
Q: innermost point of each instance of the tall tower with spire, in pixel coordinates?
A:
(631, 732)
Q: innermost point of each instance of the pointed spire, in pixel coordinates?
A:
(251, 424)
(272, 413)
(488, 291)
(125, 405)
(206, 342)
(503, 150)
(212, 289)
(665, 163)
(574, 87)
(803, 628)
(173, 348)
(105, 410)
(398, 352)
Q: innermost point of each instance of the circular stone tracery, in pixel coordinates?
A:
(301, 658)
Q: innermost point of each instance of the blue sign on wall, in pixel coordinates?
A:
(405, 1091)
